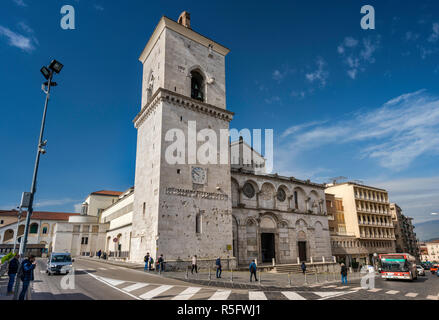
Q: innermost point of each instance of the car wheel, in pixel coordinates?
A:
(48, 273)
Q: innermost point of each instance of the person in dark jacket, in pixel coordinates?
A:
(253, 269)
(344, 274)
(12, 272)
(161, 264)
(99, 254)
(303, 266)
(146, 260)
(27, 274)
(218, 267)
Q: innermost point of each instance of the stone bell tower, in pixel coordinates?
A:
(182, 206)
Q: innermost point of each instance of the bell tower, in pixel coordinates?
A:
(182, 203)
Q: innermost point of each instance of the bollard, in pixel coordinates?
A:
(187, 274)
(231, 275)
(259, 278)
(317, 276)
(289, 279)
(210, 277)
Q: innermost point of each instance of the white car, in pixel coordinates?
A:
(367, 269)
(420, 270)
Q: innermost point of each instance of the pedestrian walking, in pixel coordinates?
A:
(27, 274)
(160, 263)
(12, 272)
(146, 259)
(194, 264)
(344, 274)
(218, 267)
(303, 266)
(99, 254)
(253, 269)
(151, 263)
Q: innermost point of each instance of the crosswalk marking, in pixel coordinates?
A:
(291, 295)
(113, 282)
(392, 292)
(430, 297)
(256, 295)
(187, 294)
(341, 288)
(411, 294)
(374, 290)
(357, 288)
(135, 286)
(328, 287)
(102, 268)
(221, 295)
(155, 292)
(79, 269)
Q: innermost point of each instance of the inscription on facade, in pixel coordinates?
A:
(196, 194)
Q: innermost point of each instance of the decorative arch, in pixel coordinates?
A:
(301, 223)
(8, 235)
(299, 198)
(301, 236)
(267, 222)
(282, 193)
(267, 191)
(20, 231)
(283, 224)
(255, 187)
(198, 83)
(235, 192)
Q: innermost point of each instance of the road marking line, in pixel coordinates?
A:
(221, 295)
(153, 293)
(256, 295)
(79, 269)
(430, 297)
(357, 288)
(112, 281)
(341, 288)
(411, 294)
(392, 292)
(187, 294)
(116, 288)
(102, 269)
(135, 286)
(291, 295)
(329, 295)
(374, 290)
(331, 286)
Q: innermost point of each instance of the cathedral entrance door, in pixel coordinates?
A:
(267, 247)
(302, 250)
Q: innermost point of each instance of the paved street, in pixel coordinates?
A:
(96, 280)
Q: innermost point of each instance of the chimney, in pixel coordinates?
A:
(185, 19)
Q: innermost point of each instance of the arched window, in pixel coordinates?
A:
(197, 85)
(33, 228)
(296, 200)
(44, 230)
(198, 222)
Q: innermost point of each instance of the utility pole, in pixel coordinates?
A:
(55, 67)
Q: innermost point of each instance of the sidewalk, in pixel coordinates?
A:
(241, 279)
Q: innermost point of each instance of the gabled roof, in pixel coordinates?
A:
(107, 193)
(40, 215)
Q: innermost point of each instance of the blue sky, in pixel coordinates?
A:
(342, 101)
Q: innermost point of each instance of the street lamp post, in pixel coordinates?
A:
(16, 228)
(54, 67)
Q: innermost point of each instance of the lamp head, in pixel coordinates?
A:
(56, 66)
(45, 72)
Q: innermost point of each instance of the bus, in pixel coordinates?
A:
(398, 266)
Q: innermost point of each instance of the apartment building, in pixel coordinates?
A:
(367, 219)
(404, 232)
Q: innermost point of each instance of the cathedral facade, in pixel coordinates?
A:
(234, 211)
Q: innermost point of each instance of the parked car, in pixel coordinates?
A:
(433, 268)
(59, 263)
(426, 266)
(420, 270)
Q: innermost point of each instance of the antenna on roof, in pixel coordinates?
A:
(336, 180)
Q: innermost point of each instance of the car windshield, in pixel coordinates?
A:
(61, 258)
(394, 265)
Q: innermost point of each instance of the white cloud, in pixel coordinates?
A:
(357, 56)
(20, 3)
(53, 203)
(77, 207)
(394, 134)
(274, 99)
(23, 26)
(435, 35)
(17, 40)
(320, 75)
(99, 7)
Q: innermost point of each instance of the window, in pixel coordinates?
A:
(144, 208)
(44, 230)
(197, 86)
(84, 240)
(76, 228)
(1, 222)
(84, 208)
(85, 228)
(33, 228)
(198, 222)
(95, 229)
(296, 201)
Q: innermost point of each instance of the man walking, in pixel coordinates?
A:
(253, 271)
(160, 262)
(218, 267)
(99, 254)
(344, 274)
(146, 259)
(194, 264)
(12, 272)
(303, 266)
(27, 274)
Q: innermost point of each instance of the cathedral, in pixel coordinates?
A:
(234, 211)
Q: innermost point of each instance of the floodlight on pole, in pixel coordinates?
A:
(55, 67)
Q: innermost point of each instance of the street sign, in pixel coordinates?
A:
(25, 199)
